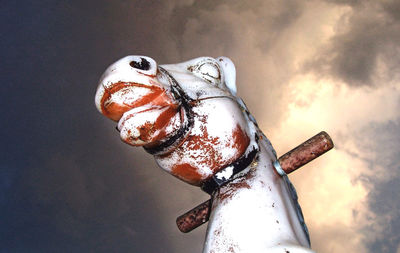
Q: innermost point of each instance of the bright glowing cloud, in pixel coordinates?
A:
(332, 194)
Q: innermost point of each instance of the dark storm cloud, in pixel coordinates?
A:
(384, 202)
(345, 2)
(382, 139)
(215, 29)
(392, 8)
(378, 144)
(66, 187)
(365, 47)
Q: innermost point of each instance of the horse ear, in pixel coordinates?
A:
(229, 73)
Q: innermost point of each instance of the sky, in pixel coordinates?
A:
(67, 182)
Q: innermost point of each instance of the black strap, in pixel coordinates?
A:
(184, 100)
(216, 181)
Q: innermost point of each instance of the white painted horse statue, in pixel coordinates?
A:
(188, 116)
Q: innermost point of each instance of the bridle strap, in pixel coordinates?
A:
(228, 173)
(185, 104)
(223, 176)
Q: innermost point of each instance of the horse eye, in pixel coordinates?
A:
(143, 64)
(208, 71)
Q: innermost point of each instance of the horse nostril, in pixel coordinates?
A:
(143, 65)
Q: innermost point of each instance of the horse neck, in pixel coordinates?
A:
(254, 212)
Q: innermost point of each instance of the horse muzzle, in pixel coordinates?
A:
(132, 92)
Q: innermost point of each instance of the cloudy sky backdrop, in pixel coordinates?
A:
(67, 183)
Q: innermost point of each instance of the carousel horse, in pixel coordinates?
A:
(188, 116)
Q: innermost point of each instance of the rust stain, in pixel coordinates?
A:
(226, 194)
(306, 152)
(217, 232)
(242, 184)
(228, 191)
(221, 243)
(194, 218)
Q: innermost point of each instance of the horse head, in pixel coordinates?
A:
(187, 115)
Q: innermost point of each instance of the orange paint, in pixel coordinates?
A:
(240, 139)
(208, 154)
(165, 117)
(153, 132)
(163, 121)
(114, 111)
(187, 173)
(148, 130)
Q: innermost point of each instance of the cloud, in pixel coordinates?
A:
(365, 47)
(346, 191)
(382, 140)
(363, 51)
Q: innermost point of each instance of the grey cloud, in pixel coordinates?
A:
(392, 7)
(384, 202)
(345, 2)
(383, 140)
(365, 48)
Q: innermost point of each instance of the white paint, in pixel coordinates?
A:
(220, 124)
(260, 218)
(122, 71)
(131, 122)
(227, 173)
(195, 84)
(129, 94)
(257, 215)
(229, 70)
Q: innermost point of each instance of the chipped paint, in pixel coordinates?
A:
(192, 108)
